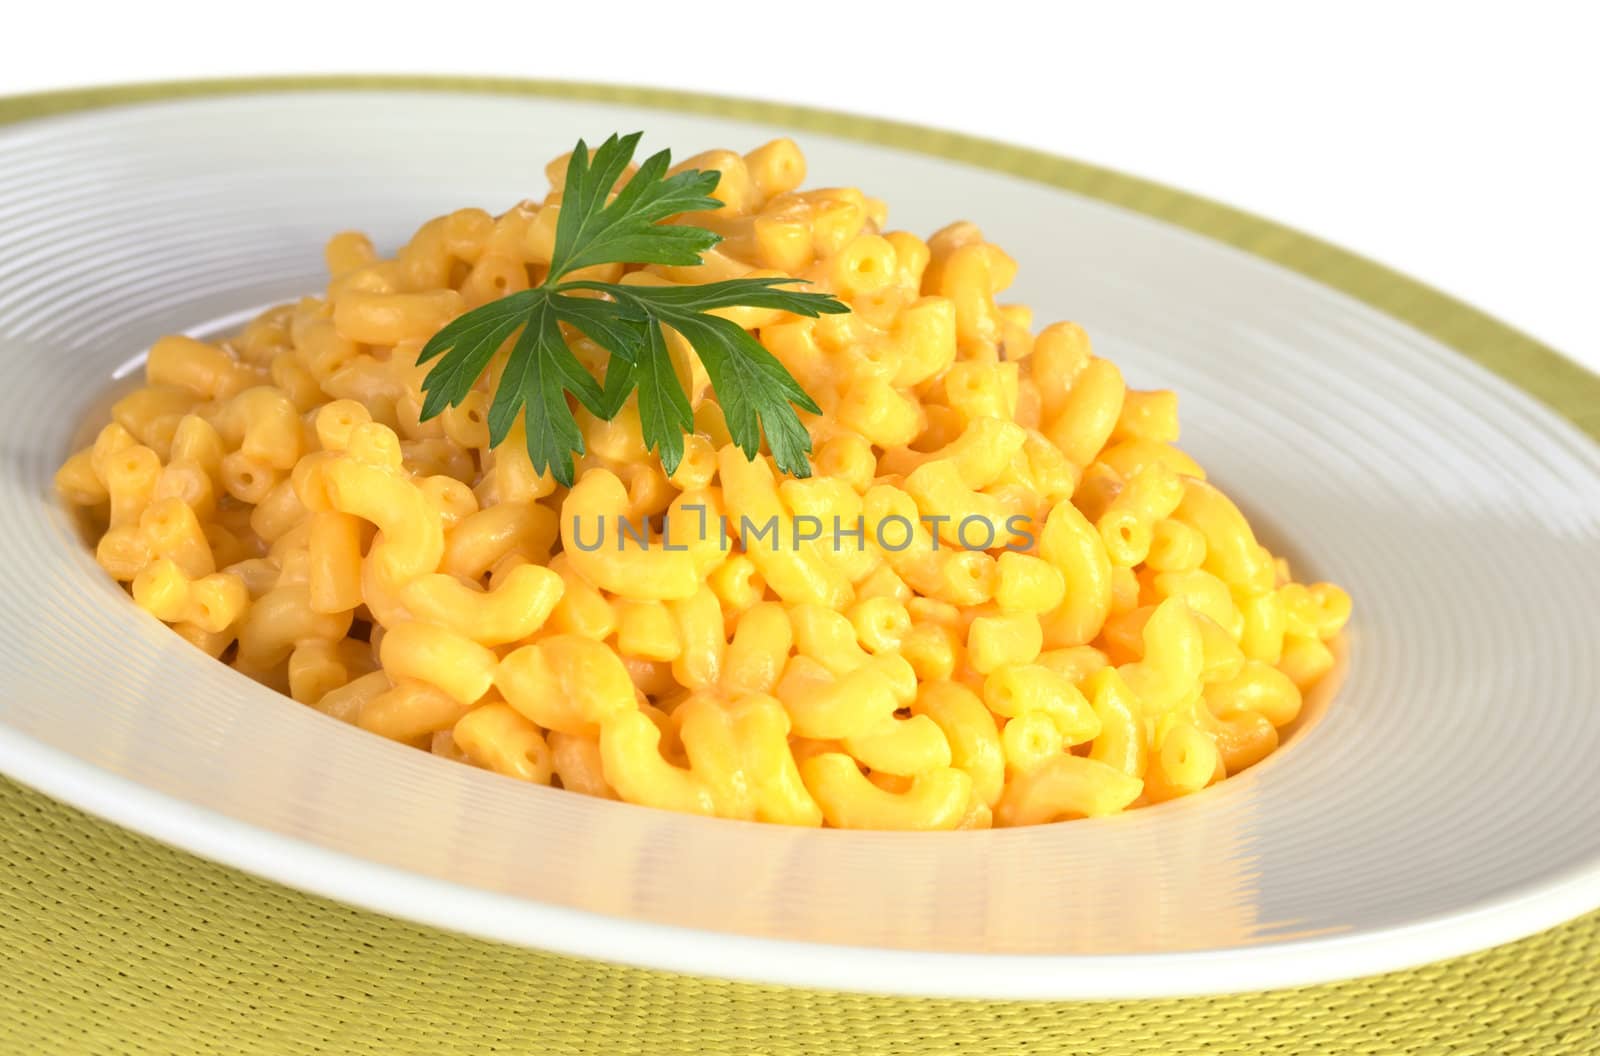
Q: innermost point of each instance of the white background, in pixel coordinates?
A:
(1455, 142)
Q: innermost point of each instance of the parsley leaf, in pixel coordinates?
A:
(757, 395)
(471, 341)
(664, 411)
(538, 376)
(752, 387)
(628, 231)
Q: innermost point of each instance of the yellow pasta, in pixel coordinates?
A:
(1005, 598)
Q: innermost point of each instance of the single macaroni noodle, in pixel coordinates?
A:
(1006, 598)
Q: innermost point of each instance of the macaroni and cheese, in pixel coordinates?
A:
(1006, 597)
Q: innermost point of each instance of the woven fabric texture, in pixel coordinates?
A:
(113, 943)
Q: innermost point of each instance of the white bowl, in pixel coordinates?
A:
(1441, 802)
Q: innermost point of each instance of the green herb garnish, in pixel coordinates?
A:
(754, 390)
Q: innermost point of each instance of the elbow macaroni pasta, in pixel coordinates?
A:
(1077, 622)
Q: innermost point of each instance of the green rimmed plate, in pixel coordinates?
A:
(1431, 811)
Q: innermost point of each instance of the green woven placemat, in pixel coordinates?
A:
(113, 943)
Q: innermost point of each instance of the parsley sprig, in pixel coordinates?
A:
(754, 390)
